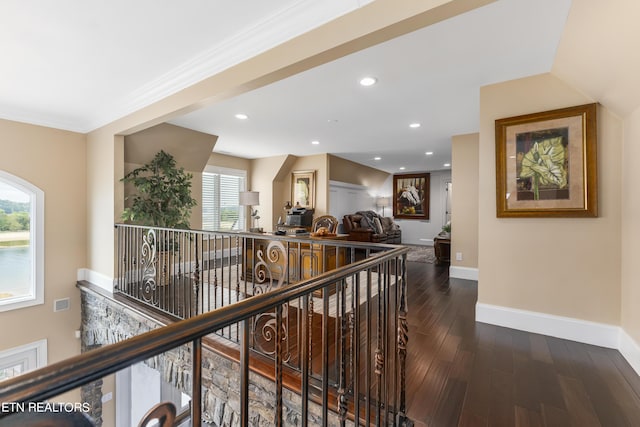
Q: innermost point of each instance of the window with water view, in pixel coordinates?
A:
(18, 281)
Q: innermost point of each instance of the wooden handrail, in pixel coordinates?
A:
(82, 369)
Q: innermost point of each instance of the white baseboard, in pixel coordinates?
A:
(583, 331)
(425, 242)
(630, 350)
(547, 324)
(466, 273)
(99, 279)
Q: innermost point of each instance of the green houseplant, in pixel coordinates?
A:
(163, 196)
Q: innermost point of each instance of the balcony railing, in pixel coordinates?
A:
(342, 332)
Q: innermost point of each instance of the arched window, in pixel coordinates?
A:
(21, 243)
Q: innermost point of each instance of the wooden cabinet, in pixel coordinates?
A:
(303, 260)
(442, 248)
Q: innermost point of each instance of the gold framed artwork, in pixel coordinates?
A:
(411, 196)
(303, 189)
(546, 164)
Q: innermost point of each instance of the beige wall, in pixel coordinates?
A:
(191, 150)
(105, 199)
(344, 170)
(631, 226)
(54, 161)
(464, 208)
(371, 24)
(566, 267)
(267, 178)
(232, 162)
(320, 164)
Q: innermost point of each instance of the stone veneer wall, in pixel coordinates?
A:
(107, 321)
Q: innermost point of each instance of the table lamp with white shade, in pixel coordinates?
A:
(251, 198)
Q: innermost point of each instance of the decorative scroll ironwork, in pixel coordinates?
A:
(268, 332)
(403, 339)
(344, 325)
(379, 362)
(148, 261)
(276, 255)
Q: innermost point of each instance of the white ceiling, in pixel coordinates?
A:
(431, 76)
(78, 65)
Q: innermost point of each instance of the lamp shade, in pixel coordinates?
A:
(382, 202)
(249, 198)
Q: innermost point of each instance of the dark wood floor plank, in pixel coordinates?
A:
(527, 418)
(549, 386)
(579, 406)
(625, 398)
(424, 404)
(627, 372)
(555, 417)
(468, 419)
(527, 388)
(501, 406)
(503, 350)
(539, 348)
(477, 399)
(449, 406)
(463, 373)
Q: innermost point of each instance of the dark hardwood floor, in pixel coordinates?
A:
(463, 373)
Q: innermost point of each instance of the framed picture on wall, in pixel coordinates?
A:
(546, 164)
(411, 196)
(303, 193)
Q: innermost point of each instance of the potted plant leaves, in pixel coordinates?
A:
(163, 194)
(162, 199)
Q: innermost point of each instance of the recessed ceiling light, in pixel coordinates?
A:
(446, 165)
(429, 153)
(241, 116)
(315, 142)
(377, 158)
(414, 125)
(402, 168)
(368, 81)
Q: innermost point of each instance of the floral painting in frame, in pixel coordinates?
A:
(546, 164)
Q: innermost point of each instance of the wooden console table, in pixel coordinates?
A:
(305, 260)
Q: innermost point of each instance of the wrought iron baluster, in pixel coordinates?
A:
(379, 353)
(403, 339)
(342, 388)
(279, 359)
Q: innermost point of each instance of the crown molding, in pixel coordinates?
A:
(284, 24)
(273, 30)
(17, 114)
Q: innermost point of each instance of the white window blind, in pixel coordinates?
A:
(221, 208)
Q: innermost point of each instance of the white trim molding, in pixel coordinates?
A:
(630, 350)
(466, 273)
(35, 294)
(567, 328)
(99, 279)
(28, 356)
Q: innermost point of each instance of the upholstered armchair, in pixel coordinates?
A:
(327, 221)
